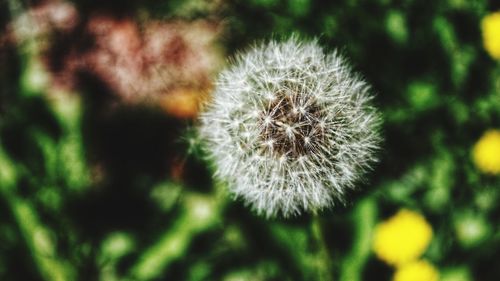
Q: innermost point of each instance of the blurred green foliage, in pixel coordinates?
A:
(86, 194)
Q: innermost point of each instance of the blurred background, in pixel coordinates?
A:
(102, 178)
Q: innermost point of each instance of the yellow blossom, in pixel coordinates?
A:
(486, 152)
(491, 34)
(416, 271)
(402, 238)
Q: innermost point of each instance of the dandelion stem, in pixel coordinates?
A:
(364, 218)
(324, 262)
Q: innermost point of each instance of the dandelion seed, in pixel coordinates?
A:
(308, 131)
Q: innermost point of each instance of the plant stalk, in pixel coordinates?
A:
(324, 261)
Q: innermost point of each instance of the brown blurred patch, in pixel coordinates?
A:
(169, 64)
(41, 21)
(184, 102)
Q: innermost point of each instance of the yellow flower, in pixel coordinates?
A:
(491, 34)
(416, 271)
(402, 238)
(486, 152)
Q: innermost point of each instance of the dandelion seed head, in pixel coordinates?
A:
(305, 131)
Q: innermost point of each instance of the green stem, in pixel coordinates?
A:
(38, 237)
(324, 261)
(200, 212)
(364, 219)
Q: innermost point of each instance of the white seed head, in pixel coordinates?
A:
(290, 128)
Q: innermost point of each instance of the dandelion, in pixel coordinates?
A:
(402, 238)
(416, 271)
(290, 128)
(491, 34)
(486, 152)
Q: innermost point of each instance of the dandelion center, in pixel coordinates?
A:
(291, 123)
